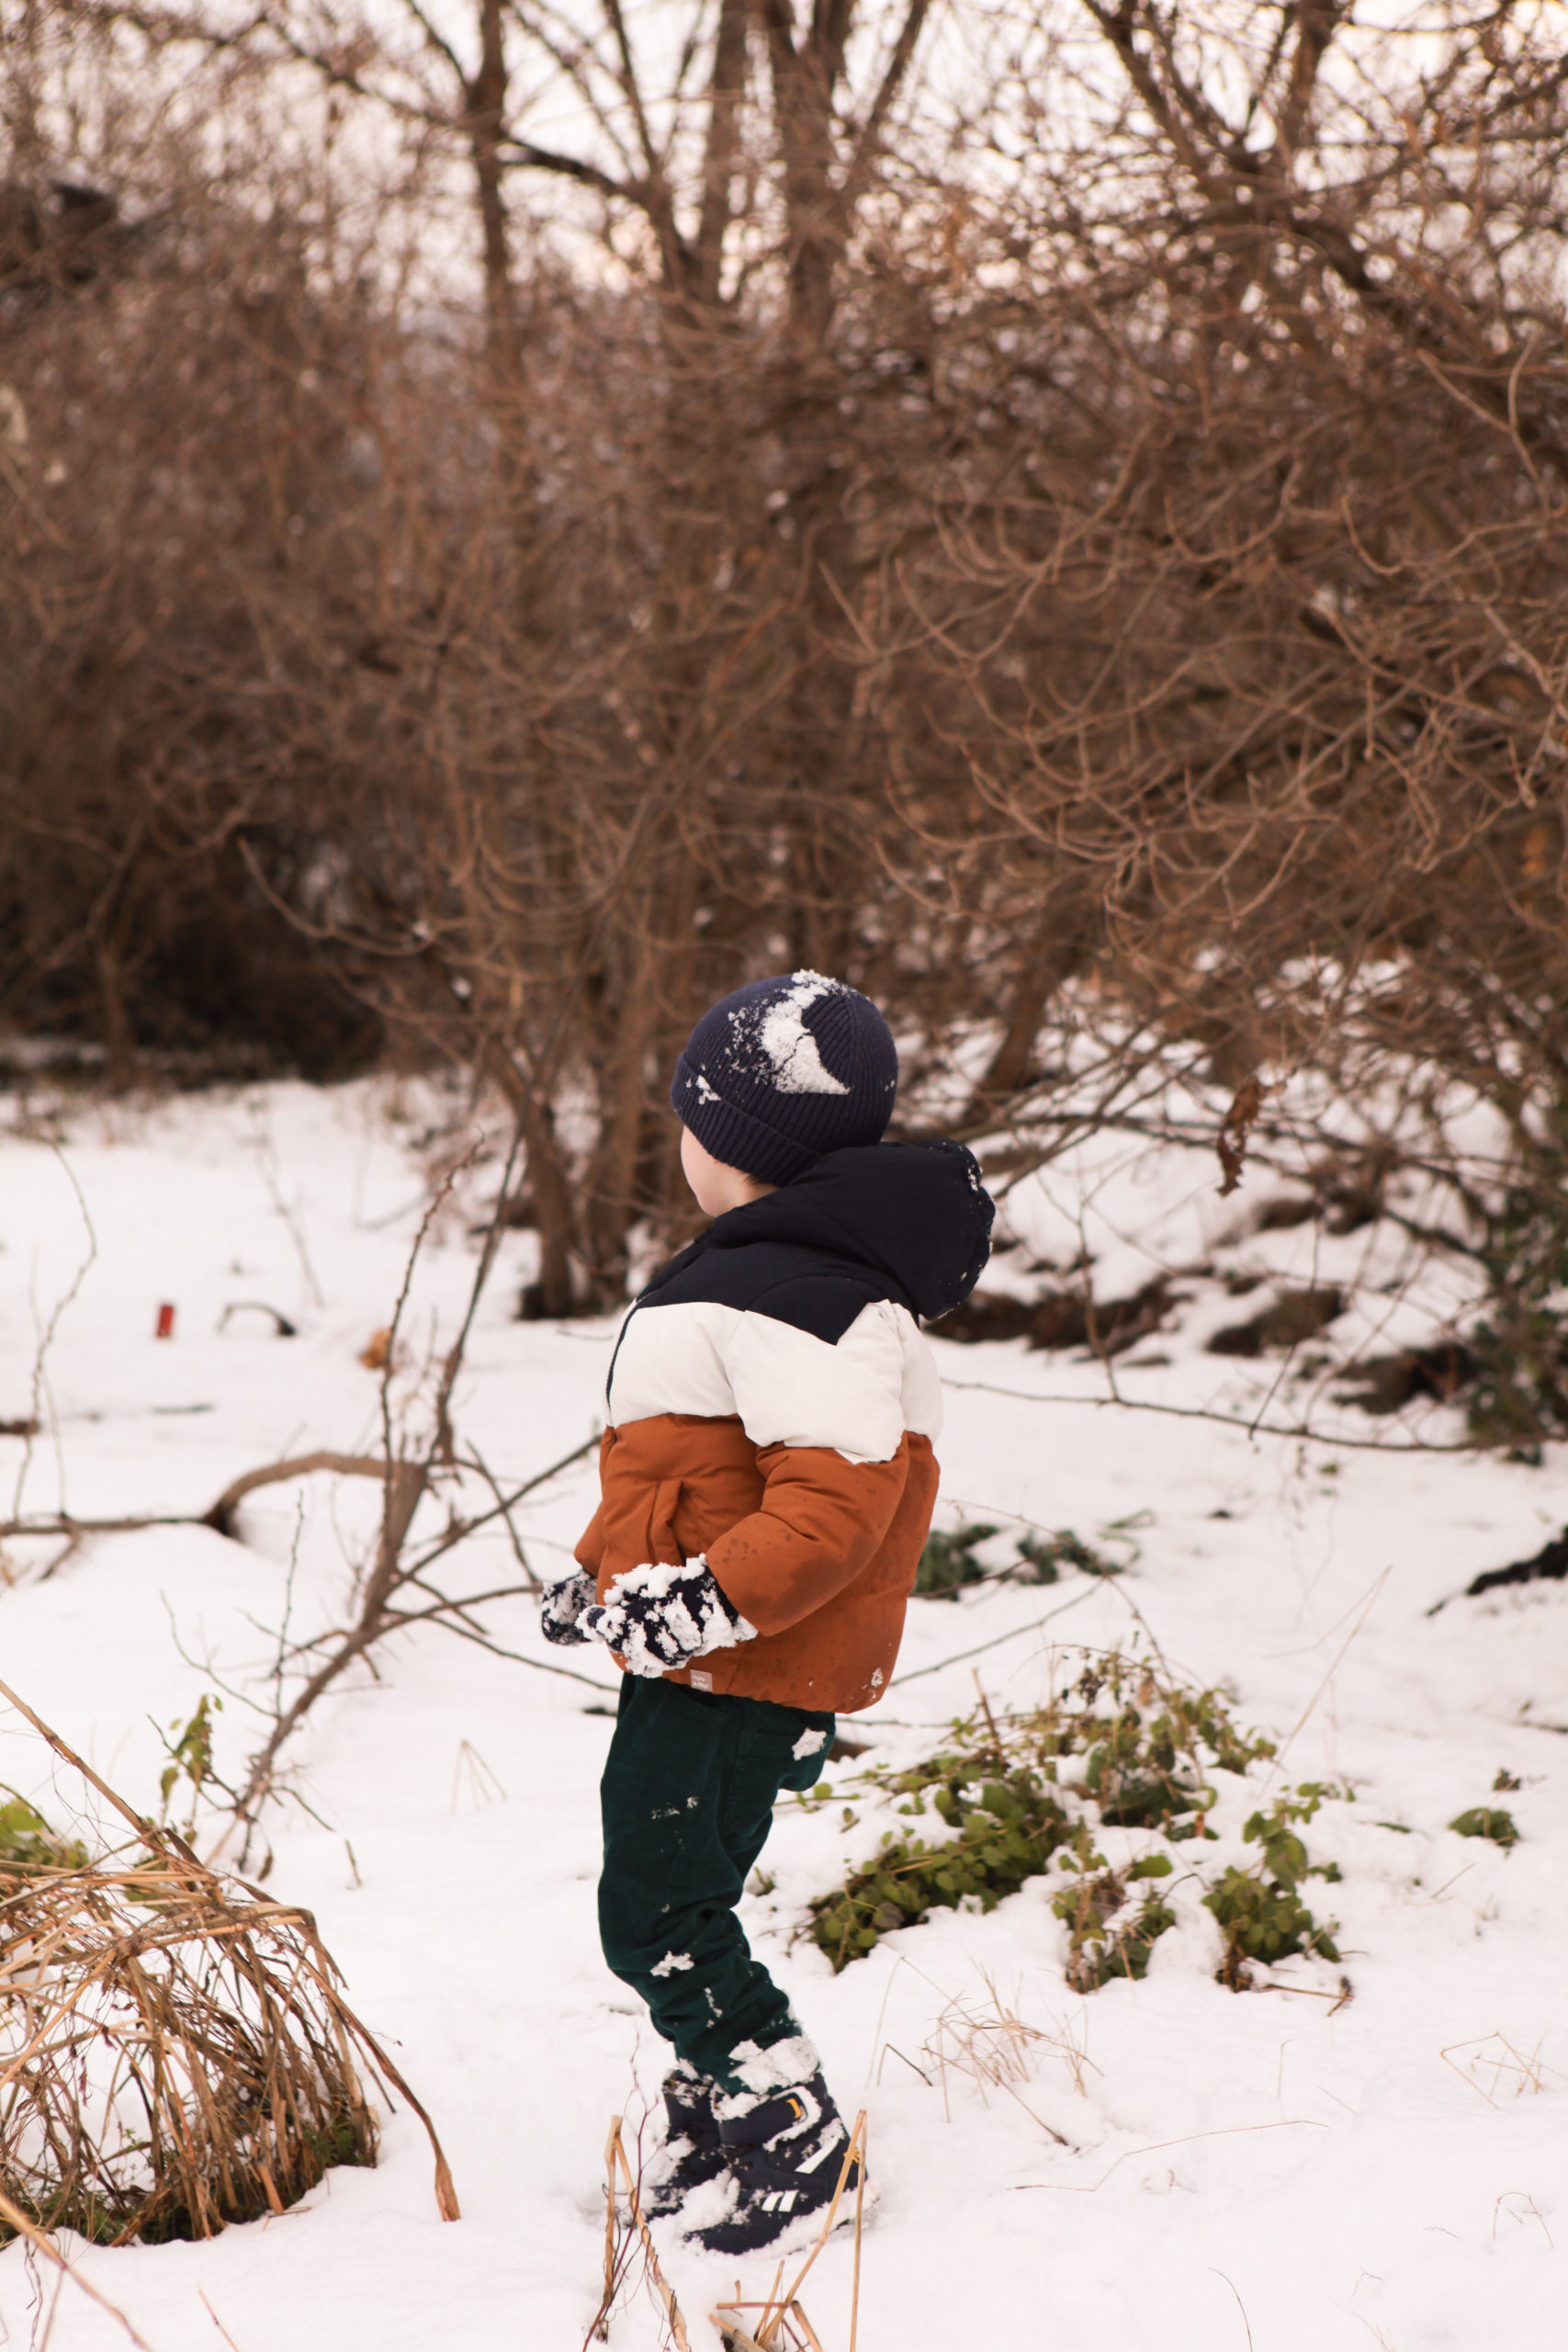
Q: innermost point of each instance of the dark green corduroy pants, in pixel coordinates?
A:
(688, 1798)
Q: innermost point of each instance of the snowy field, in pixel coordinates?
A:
(1282, 2170)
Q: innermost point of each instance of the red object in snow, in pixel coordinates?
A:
(166, 1324)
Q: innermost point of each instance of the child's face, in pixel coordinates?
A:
(716, 1186)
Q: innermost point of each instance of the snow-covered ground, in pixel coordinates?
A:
(1274, 2170)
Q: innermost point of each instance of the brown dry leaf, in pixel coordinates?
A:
(378, 1346)
(1234, 1129)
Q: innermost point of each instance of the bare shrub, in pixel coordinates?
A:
(1075, 546)
(1248, 610)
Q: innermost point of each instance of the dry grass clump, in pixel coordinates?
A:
(986, 2041)
(1510, 2072)
(175, 2052)
(173, 2058)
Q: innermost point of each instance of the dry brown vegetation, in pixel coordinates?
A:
(178, 2054)
(218, 2088)
(1058, 518)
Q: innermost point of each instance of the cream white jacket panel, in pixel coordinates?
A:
(857, 1395)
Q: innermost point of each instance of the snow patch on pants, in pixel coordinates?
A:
(783, 2066)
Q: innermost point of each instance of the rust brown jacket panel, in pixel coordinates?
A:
(818, 1552)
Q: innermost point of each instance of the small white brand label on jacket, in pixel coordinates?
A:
(701, 1681)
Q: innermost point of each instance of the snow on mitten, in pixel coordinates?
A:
(562, 1607)
(658, 1617)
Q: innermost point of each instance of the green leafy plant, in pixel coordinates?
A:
(1261, 1910)
(1005, 1825)
(190, 1757)
(27, 1844)
(1107, 1937)
(1044, 1557)
(948, 1564)
(1487, 1821)
(1125, 1746)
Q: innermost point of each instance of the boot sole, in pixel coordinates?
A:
(798, 2233)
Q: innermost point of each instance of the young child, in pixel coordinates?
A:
(767, 1481)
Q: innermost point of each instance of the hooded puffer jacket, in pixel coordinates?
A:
(772, 1406)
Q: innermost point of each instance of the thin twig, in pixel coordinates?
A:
(1378, 1584)
(1240, 2305)
(35, 1417)
(218, 2322)
(1297, 1431)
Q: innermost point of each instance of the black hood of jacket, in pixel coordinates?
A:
(916, 1212)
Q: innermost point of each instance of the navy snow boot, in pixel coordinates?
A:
(785, 2154)
(693, 2152)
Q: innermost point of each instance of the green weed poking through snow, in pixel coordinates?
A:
(1487, 1821)
(190, 1758)
(27, 1844)
(950, 1564)
(1261, 1910)
(1125, 1746)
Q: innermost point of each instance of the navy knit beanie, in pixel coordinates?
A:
(784, 1071)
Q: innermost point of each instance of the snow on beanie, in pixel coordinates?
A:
(784, 1071)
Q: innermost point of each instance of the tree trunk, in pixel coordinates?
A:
(486, 98)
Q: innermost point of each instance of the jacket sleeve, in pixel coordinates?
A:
(591, 1543)
(820, 1520)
